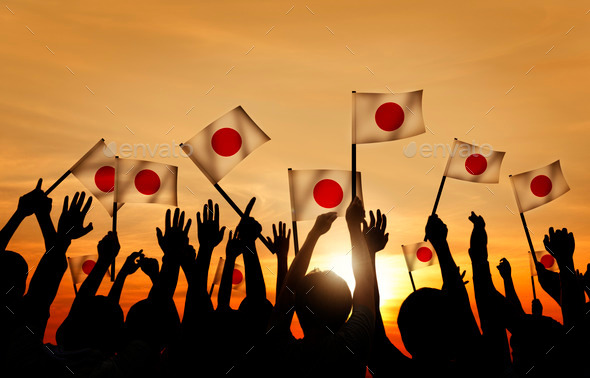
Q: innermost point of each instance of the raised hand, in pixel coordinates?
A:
(355, 213)
(249, 228)
(108, 248)
(132, 263)
(436, 230)
(35, 201)
(150, 267)
(71, 221)
(323, 222)
(280, 245)
(561, 245)
(504, 269)
(375, 232)
(175, 236)
(479, 239)
(208, 231)
(234, 246)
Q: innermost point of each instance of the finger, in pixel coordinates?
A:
(39, 182)
(222, 231)
(80, 201)
(87, 206)
(188, 226)
(249, 207)
(384, 223)
(159, 235)
(268, 239)
(167, 224)
(74, 201)
(181, 220)
(379, 220)
(365, 227)
(199, 223)
(551, 232)
(65, 207)
(274, 231)
(211, 209)
(289, 236)
(386, 237)
(87, 229)
(372, 218)
(284, 228)
(216, 215)
(175, 218)
(230, 234)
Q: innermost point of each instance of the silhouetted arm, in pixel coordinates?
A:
(233, 249)
(129, 267)
(549, 282)
(509, 290)
(249, 229)
(280, 247)
(108, 249)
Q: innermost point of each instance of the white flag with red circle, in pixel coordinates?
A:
(315, 192)
(535, 188)
(473, 163)
(419, 255)
(381, 117)
(81, 266)
(238, 275)
(544, 258)
(141, 181)
(96, 171)
(219, 147)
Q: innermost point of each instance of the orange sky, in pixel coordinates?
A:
(510, 74)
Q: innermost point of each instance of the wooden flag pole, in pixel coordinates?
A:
(440, 189)
(412, 280)
(240, 212)
(353, 149)
(59, 181)
(528, 237)
(293, 221)
(114, 230)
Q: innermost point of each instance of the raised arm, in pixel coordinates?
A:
(108, 248)
(233, 249)
(129, 267)
(280, 247)
(509, 290)
(249, 229)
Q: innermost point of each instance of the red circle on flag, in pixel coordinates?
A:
(147, 182)
(226, 142)
(328, 193)
(389, 116)
(87, 266)
(104, 179)
(541, 186)
(547, 261)
(237, 277)
(476, 164)
(424, 254)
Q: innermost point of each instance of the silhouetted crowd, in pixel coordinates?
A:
(344, 335)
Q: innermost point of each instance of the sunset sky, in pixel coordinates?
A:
(513, 75)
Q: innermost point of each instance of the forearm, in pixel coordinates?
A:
(511, 296)
(255, 286)
(572, 295)
(281, 274)
(201, 274)
(47, 229)
(10, 228)
(448, 268)
(117, 288)
(362, 268)
(168, 277)
(91, 284)
(225, 286)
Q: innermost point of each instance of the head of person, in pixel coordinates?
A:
(95, 322)
(322, 299)
(537, 307)
(429, 325)
(13, 277)
(152, 323)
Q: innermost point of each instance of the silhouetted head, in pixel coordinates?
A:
(151, 323)
(13, 276)
(537, 307)
(94, 322)
(427, 325)
(322, 299)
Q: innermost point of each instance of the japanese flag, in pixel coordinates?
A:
(96, 171)
(469, 162)
(419, 255)
(544, 258)
(81, 266)
(535, 188)
(380, 117)
(315, 192)
(219, 147)
(143, 181)
(238, 277)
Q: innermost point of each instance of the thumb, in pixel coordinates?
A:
(87, 229)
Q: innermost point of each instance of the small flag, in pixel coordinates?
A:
(218, 271)
(219, 147)
(544, 258)
(469, 162)
(81, 266)
(238, 277)
(143, 181)
(535, 188)
(314, 192)
(96, 171)
(419, 255)
(381, 117)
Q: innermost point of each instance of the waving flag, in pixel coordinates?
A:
(96, 171)
(314, 192)
(238, 277)
(219, 147)
(81, 266)
(381, 117)
(469, 162)
(544, 258)
(419, 255)
(143, 181)
(535, 188)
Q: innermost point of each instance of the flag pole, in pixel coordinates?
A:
(240, 212)
(73, 279)
(211, 290)
(353, 147)
(293, 221)
(59, 181)
(114, 230)
(528, 237)
(412, 280)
